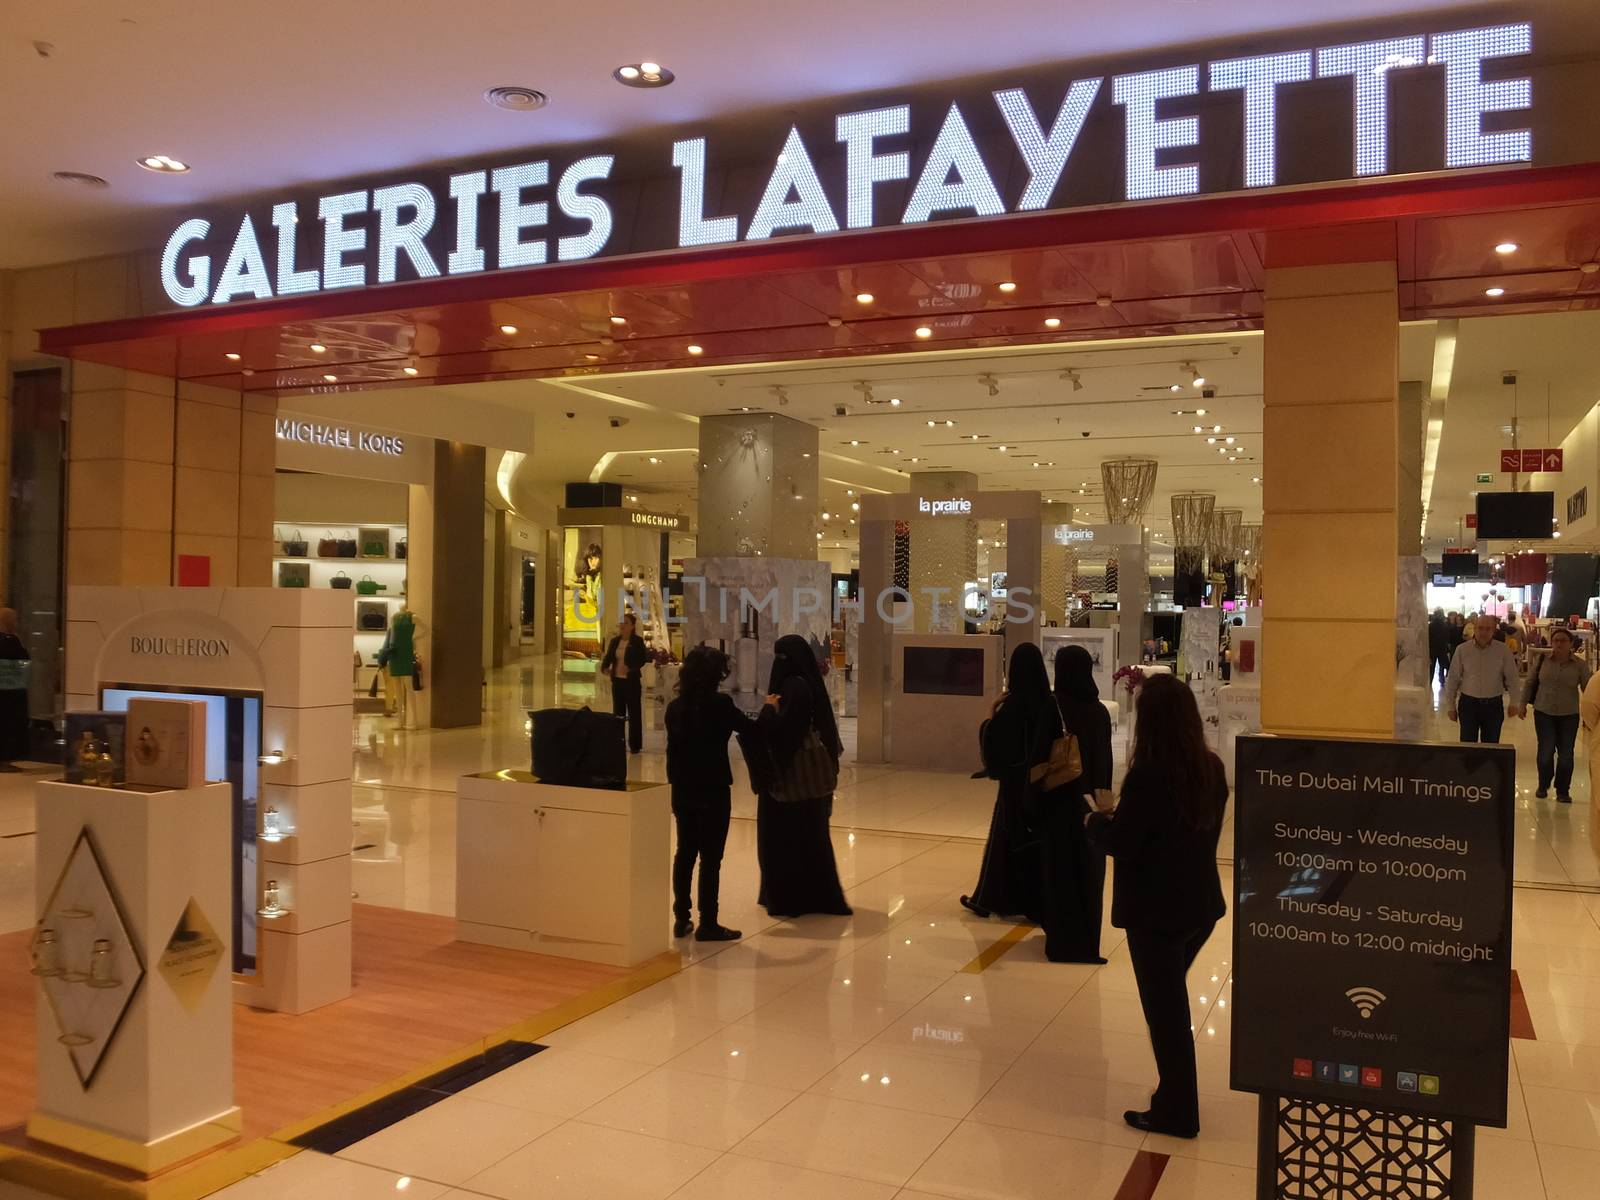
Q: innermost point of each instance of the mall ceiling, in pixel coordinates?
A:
(264, 97)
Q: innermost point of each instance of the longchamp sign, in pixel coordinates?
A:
(1399, 104)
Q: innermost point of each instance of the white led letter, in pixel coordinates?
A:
(1138, 94)
(793, 172)
(337, 240)
(285, 218)
(1468, 97)
(199, 287)
(465, 189)
(584, 207)
(1368, 64)
(863, 168)
(954, 150)
(515, 216)
(1046, 156)
(245, 270)
(689, 156)
(395, 235)
(1260, 77)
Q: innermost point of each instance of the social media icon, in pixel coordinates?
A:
(1327, 1072)
(1371, 1077)
(1349, 1074)
(1302, 1068)
(1406, 1081)
(1428, 1085)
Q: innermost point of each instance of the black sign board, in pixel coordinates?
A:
(1372, 924)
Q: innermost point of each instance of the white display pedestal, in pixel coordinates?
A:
(149, 873)
(575, 872)
(1238, 713)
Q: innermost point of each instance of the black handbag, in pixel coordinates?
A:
(812, 773)
(576, 747)
(340, 581)
(372, 617)
(296, 546)
(400, 548)
(345, 547)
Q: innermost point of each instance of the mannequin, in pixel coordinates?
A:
(399, 659)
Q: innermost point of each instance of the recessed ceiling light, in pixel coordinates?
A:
(696, 349)
(653, 461)
(81, 178)
(619, 320)
(331, 378)
(1229, 439)
(1197, 429)
(1507, 248)
(508, 329)
(318, 348)
(1199, 412)
(231, 356)
(643, 75)
(894, 401)
(1001, 449)
(409, 370)
(863, 297)
(163, 164)
(1052, 322)
(854, 442)
(516, 99)
(923, 331)
(1211, 441)
(1008, 286)
(1494, 291)
(591, 357)
(1216, 429)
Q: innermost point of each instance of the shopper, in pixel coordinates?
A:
(793, 843)
(1166, 893)
(699, 723)
(1482, 672)
(1075, 872)
(13, 693)
(624, 658)
(1555, 685)
(1442, 640)
(1022, 726)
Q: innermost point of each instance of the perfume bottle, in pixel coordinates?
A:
(271, 824)
(101, 973)
(46, 955)
(271, 906)
(105, 769)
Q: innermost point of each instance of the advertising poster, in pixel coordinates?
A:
(1372, 924)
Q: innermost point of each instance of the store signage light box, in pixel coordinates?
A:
(956, 506)
(314, 433)
(1391, 105)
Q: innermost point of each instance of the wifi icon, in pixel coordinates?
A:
(1366, 1000)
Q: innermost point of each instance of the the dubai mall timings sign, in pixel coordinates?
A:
(1372, 924)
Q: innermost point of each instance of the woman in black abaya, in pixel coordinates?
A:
(795, 852)
(1016, 737)
(1074, 873)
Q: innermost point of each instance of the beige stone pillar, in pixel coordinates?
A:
(1330, 496)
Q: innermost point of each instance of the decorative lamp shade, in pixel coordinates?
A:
(1222, 544)
(1191, 527)
(1526, 570)
(1129, 483)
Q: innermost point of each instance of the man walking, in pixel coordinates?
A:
(1441, 642)
(1482, 673)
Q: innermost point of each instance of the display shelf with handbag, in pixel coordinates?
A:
(328, 547)
(341, 582)
(294, 547)
(294, 574)
(367, 586)
(345, 547)
(400, 549)
(372, 616)
(373, 541)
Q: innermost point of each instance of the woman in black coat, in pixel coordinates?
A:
(1017, 737)
(699, 723)
(625, 657)
(1074, 872)
(1166, 892)
(795, 850)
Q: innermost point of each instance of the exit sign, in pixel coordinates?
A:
(1485, 477)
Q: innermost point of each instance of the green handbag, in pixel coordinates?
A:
(375, 550)
(366, 586)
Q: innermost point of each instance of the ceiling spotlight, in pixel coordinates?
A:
(855, 506)
(1199, 412)
(409, 370)
(1008, 286)
(1002, 449)
(591, 357)
(163, 164)
(1255, 479)
(643, 75)
(1211, 441)
(318, 348)
(1229, 439)
(231, 356)
(693, 349)
(931, 424)
(1494, 292)
(895, 401)
(619, 320)
(653, 461)
(1506, 248)
(331, 378)
(1177, 387)
(1071, 376)
(922, 331)
(1198, 381)
(854, 442)
(1052, 322)
(827, 516)
(1198, 429)
(948, 423)
(633, 499)
(508, 329)
(863, 297)
(1216, 429)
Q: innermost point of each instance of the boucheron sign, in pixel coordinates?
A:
(1416, 102)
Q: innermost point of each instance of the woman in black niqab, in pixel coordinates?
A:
(793, 844)
(1074, 872)
(1016, 737)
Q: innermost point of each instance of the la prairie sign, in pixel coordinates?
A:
(1415, 102)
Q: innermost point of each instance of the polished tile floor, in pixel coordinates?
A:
(855, 1058)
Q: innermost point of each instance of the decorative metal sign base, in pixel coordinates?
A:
(1315, 1150)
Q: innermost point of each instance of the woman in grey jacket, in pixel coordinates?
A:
(1553, 688)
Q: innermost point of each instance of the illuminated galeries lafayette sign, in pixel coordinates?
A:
(1395, 105)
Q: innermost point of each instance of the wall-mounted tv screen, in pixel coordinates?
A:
(1516, 514)
(1462, 566)
(942, 670)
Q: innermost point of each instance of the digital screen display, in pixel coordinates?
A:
(1516, 514)
(942, 671)
(1462, 566)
